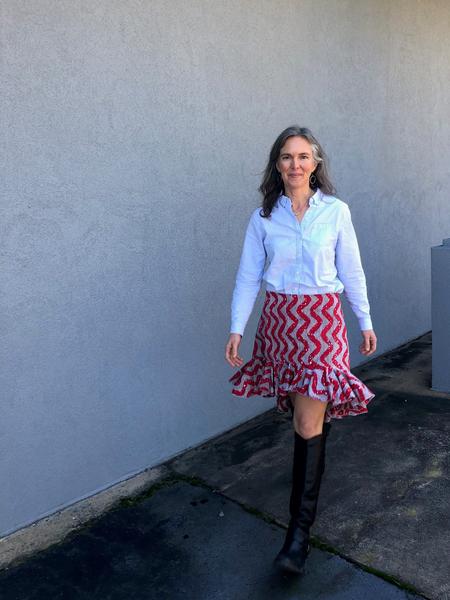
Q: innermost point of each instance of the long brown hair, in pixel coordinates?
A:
(272, 184)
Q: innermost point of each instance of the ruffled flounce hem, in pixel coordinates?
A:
(345, 393)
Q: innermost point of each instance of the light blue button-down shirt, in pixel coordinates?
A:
(317, 255)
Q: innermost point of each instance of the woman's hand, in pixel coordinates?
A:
(231, 350)
(369, 344)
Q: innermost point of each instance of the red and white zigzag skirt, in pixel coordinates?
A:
(301, 346)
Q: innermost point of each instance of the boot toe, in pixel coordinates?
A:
(292, 561)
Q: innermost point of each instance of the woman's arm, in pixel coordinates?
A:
(350, 270)
(249, 274)
(351, 273)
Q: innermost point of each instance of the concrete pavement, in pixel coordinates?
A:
(210, 527)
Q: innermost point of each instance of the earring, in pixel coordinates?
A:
(312, 180)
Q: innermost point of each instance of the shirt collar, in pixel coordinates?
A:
(315, 199)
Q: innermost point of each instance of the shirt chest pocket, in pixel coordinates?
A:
(323, 234)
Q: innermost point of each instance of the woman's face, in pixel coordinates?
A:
(296, 163)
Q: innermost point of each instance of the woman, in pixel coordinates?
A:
(300, 352)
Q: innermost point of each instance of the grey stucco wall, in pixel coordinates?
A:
(134, 136)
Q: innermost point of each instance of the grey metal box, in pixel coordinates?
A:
(440, 316)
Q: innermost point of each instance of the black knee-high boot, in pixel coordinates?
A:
(325, 430)
(308, 467)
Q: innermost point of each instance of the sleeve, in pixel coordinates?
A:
(249, 274)
(350, 270)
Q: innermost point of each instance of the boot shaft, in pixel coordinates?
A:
(308, 468)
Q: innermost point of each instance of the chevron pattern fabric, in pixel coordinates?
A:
(301, 346)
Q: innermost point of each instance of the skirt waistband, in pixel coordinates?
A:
(284, 294)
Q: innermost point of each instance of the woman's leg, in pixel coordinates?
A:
(309, 415)
(308, 466)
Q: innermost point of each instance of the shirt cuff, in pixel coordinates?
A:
(365, 323)
(235, 328)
